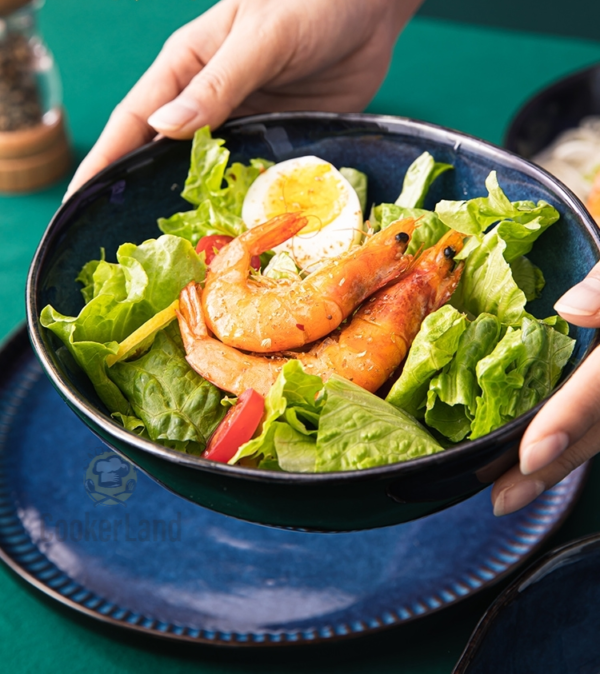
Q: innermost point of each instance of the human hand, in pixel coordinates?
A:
(566, 431)
(249, 56)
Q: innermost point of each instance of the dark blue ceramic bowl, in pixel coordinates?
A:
(559, 107)
(122, 204)
(548, 620)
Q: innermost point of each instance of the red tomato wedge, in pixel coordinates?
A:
(237, 427)
(211, 244)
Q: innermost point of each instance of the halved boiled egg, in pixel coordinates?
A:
(319, 191)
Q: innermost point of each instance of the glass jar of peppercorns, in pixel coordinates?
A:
(34, 150)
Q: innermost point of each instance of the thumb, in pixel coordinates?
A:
(240, 66)
(581, 303)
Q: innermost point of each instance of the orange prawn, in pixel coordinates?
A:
(265, 315)
(367, 350)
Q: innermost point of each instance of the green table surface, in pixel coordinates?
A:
(462, 76)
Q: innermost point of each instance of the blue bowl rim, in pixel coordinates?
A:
(389, 124)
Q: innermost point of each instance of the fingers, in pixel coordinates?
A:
(566, 431)
(565, 418)
(251, 54)
(514, 490)
(182, 57)
(581, 304)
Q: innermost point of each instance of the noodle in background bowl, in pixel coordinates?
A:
(122, 204)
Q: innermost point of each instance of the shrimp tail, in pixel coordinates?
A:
(190, 316)
(273, 232)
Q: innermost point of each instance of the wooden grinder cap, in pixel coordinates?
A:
(34, 157)
(9, 6)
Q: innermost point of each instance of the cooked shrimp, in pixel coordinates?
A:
(377, 339)
(224, 366)
(264, 315)
(365, 351)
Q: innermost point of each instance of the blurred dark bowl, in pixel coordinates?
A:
(122, 204)
(555, 109)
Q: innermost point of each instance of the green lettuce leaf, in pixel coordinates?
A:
(132, 424)
(452, 395)
(206, 220)
(123, 296)
(217, 191)
(487, 284)
(358, 430)
(178, 407)
(544, 370)
(433, 347)
(294, 402)
(418, 179)
(522, 370)
(282, 266)
(314, 427)
(429, 231)
(528, 277)
(359, 183)
(474, 216)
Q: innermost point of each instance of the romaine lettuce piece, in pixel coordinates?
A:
(474, 216)
(522, 370)
(282, 265)
(315, 427)
(359, 183)
(219, 207)
(207, 219)
(528, 277)
(358, 430)
(178, 407)
(146, 279)
(418, 179)
(434, 346)
(487, 284)
(429, 231)
(294, 397)
(452, 395)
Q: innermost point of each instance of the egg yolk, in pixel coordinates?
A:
(313, 190)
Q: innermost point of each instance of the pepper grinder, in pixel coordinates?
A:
(34, 150)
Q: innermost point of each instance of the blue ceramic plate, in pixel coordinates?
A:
(549, 618)
(87, 528)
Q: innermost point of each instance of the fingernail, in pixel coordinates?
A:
(539, 454)
(172, 116)
(582, 299)
(517, 496)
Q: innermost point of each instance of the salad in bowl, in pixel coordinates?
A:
(342, 324)
(274, 325)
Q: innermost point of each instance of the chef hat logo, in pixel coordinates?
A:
(111, 471)
(109, 479)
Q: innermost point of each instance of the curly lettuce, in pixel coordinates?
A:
(215, 189)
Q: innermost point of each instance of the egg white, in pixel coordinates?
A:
(308, 250)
